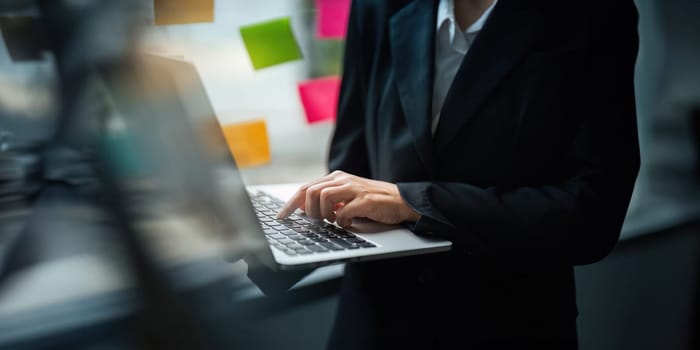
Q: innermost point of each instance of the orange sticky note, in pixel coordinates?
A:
(248, 142)
(183, 11)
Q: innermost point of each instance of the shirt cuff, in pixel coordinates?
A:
(415, 194)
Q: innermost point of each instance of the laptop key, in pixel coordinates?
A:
(341, 242)
(285, 241)
(330, 246)
(295, 246)
(317, 248)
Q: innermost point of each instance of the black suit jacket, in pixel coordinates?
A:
(529, 173)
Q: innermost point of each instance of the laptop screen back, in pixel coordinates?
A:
(192, 160)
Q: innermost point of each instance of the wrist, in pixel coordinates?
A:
(407, 214)
(411, 215)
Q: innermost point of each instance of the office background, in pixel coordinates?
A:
(643, 296)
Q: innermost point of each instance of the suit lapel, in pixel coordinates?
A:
(506, 37)
(412, 32)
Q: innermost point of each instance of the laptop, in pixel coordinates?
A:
(297, 242)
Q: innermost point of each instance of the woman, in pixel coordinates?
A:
(505, 126)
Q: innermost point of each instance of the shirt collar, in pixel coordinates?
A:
(446, 12)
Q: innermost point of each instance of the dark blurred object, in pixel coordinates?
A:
(695, 131)
(23, 37)
(270, 282)
(16, 5)
(19, 184)
(82, 203)
(19, 168)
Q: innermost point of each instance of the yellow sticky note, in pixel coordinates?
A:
(183, 11)
(248, 142)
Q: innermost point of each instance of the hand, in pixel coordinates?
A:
(340, 197)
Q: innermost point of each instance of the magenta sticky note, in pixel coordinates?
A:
(332, 19)
(320, 98)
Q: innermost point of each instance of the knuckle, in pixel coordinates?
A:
(313, 190)
(366, 195)
(324, 193)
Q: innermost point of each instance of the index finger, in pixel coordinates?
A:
(299, 197)
(295, 202)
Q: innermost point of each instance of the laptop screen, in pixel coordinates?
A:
(185, 159)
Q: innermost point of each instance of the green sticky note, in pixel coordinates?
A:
(270, 43)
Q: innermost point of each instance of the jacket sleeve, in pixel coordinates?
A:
(348, 149)
(578, 220)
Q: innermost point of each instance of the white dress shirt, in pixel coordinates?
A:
(451, 45)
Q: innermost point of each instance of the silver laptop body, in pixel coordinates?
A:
(364, 241)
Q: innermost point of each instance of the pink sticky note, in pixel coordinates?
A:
(320, 98)
(332, 19)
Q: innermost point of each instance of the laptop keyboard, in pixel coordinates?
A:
(297, 236)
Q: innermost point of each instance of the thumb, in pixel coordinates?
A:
(345, 213)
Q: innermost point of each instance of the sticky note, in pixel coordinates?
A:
(320, 98)
(248, 142)
(332, 19)
(270, 43)
(183, 11)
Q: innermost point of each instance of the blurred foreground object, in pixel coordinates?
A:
(122, 186)
(23, 37)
